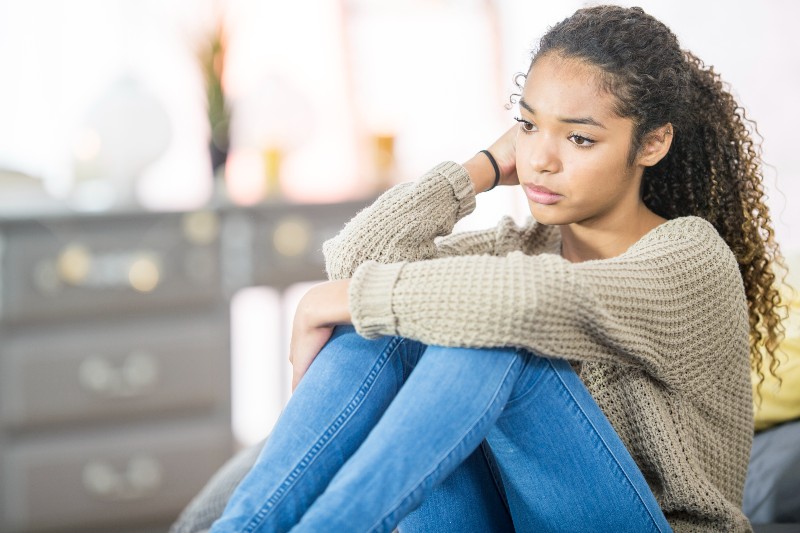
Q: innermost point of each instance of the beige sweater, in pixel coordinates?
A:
(659, 333)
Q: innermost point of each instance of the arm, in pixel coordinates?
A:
(403, 222)
(327, 304)
(675, 294)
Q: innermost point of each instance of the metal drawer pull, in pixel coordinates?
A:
(143, 477)
(136, 376)
(78, 266)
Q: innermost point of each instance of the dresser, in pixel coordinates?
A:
(115, 378)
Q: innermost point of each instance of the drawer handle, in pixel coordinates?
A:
(142, 477)
(135, 376)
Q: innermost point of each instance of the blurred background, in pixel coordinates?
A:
(169, 170)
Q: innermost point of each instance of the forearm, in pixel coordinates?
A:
(541, 302)
(401, 224)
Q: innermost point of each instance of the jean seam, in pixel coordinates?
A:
(526, 355)
(444, 458)
(494, 474)
(333, 428)
(608, 449)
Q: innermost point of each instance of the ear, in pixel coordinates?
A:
(655, 146)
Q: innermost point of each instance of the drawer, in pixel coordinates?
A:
(287, 243)
(107, 482)
(93, 265)
(116, 369)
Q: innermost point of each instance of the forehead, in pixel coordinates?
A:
(567, 87)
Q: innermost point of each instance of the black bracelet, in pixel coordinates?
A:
(496, 169)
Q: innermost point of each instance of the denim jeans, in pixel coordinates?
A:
(392, 433)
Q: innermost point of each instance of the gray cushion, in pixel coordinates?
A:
(776, 528)
(772, 488)
(209, 503)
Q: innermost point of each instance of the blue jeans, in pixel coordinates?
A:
(481, 440)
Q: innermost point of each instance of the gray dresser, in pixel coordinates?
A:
(115, 354)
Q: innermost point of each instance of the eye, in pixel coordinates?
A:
(527, 127)
(581, 141)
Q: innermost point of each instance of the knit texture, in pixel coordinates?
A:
(659, 334)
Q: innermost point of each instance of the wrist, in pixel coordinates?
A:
(481, 172)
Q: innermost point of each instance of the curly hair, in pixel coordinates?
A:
(713, 168)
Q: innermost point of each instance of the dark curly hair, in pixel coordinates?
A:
(713, 168)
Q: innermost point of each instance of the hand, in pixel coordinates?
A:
(504, 151)
(321, 308)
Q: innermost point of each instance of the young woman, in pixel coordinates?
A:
(589, 371)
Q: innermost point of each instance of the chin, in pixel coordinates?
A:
(548, 215)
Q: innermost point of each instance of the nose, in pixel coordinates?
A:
(542, 153)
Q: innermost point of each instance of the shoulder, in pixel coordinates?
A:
(686, 249)
(683, 233)
(678, 253)
(688, 227)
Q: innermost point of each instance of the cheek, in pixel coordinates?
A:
(521, 150)
(595, 176)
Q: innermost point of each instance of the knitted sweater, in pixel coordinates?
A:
(659, 334)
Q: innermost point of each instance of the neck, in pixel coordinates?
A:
(584, 241)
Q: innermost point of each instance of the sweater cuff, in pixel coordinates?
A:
(464, 191)
(370, 298)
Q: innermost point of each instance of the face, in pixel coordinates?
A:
(571, 143)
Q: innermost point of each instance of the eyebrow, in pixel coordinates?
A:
(568, 120)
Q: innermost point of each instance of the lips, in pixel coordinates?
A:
(541, 195)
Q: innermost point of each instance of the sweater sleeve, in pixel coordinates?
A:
(674, 297)
(402, 224)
